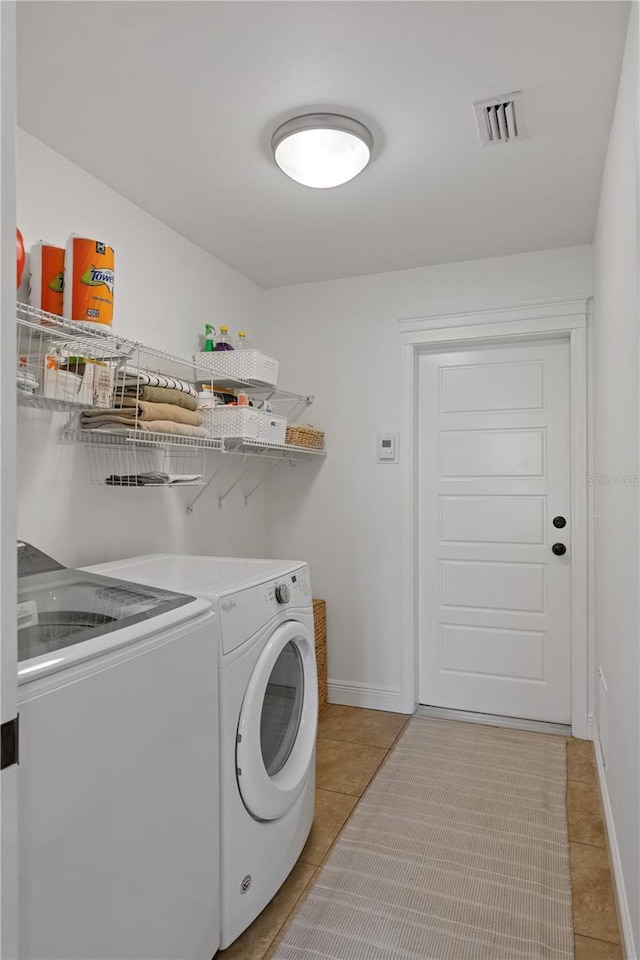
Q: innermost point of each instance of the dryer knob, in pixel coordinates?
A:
(283, 594)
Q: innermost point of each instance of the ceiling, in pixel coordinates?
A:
(173, 104)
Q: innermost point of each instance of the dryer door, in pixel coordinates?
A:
(278, 723)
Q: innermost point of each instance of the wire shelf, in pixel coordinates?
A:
(120, 386)
(128, 460)
(96, 342)
(127, 438)
(103, 339)
(281, 451)
(59, 369)
(37, 402)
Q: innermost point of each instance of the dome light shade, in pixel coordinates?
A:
(322, 149)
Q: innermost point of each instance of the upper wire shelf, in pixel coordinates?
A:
(57, 404)
(98, 341)
(103, 341)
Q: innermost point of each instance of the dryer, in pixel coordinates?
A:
(268, 699)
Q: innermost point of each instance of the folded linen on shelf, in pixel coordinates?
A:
(117, 424)
(152, 479)
(148, 410)
(133, 410)
(161, 395)
(26, 381)
(131, 378)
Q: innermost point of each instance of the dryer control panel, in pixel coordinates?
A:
(244, 612)
(295, 588)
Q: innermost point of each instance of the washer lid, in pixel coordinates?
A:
(275, 745)
(60, 608)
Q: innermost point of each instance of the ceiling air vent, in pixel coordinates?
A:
(500, 119)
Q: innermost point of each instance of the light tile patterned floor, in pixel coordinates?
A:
(352, 743)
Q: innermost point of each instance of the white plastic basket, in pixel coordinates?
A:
(246, 423)
(240, 365)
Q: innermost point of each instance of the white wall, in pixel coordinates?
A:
(616, 398)
(340, 341)
(166, 290)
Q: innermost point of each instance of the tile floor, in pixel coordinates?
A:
(352, 743)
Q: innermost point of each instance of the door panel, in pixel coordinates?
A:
(494, 586)
(494, 470)
(492, 386)
(492, 519)
(490, 650)
(492, 453)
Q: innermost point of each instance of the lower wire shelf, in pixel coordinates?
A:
(283, 451)
(128, 437)
(133, 458)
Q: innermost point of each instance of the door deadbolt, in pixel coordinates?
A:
(559, 522)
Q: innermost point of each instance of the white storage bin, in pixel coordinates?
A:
(246, 423)
(84, 382)
(272, 429)
(240, 365)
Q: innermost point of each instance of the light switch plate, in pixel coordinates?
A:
(387, 448)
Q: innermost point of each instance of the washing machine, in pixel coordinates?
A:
(268, 699)
(118, 846)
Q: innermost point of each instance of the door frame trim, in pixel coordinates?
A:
(563, 319)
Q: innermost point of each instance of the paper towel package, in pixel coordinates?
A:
(88, 281)
(47, 276)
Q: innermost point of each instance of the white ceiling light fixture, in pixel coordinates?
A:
(322, 149)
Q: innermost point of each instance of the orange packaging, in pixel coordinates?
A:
(88, 281)
(46, 265)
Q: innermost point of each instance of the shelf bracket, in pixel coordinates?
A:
(235, 483)
(213, 476)
(295, 413)
(272, 466)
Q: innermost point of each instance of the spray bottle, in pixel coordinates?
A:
(209, 343)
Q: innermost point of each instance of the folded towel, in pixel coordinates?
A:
(162, 395)
(133, 410)
(116, 424)
(152, 479)
(147, 410)
(129, 378)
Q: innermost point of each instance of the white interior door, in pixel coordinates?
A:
(8, 590)
(494, 465)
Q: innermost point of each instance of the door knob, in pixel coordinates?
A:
(559, 549)
(559, 522)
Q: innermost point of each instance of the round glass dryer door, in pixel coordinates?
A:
(278, 723)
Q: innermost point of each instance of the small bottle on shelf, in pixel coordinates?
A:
(209, 334)
(206, 402)
(243, 341)
(223, 340)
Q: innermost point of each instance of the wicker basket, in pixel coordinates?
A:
(320, 630)
(304, 435)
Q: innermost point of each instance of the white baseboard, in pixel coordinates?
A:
(365, 695)
(629, 947)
